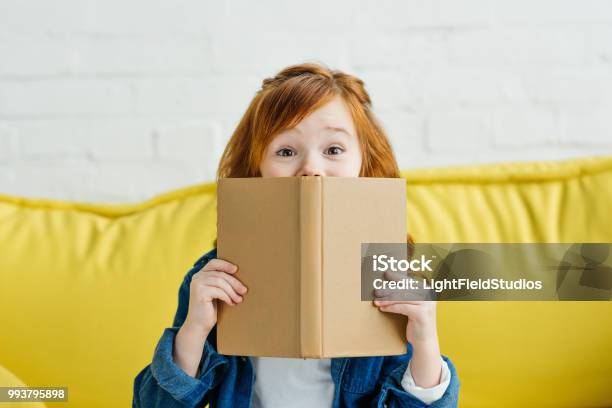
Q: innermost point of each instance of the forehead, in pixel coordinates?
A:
(333, 113)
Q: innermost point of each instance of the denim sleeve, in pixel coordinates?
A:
(392, 394)
(163, 383)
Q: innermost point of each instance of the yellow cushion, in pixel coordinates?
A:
(89, 288)
(86, 290)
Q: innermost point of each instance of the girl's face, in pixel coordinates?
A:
(324, 143)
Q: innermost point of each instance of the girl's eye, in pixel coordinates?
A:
(285, 152)
(334, 150)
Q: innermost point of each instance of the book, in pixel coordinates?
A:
(297, 244)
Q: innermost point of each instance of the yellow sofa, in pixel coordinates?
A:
(86, 290)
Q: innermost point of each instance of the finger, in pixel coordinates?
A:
(381, 294)
(402, 308)
(394, 275)
(392, 302)
(236, 284)
(218, 293)
(397, 294)
(385, 293)
(224, 285)
(220, 265)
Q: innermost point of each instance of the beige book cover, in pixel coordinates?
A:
(297, 244)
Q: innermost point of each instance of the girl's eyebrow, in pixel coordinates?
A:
(339, 129)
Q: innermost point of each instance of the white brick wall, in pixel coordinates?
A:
(120, 100)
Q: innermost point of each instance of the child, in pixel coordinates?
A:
(306, 121)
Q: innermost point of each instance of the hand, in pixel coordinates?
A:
(422, 334)
(215, 281)
(421, 326)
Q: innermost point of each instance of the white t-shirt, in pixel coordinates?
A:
(298, 382)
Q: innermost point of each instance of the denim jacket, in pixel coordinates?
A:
(227, 381)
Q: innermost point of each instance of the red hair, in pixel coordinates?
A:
(285, 99)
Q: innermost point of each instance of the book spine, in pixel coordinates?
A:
(311, 299)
